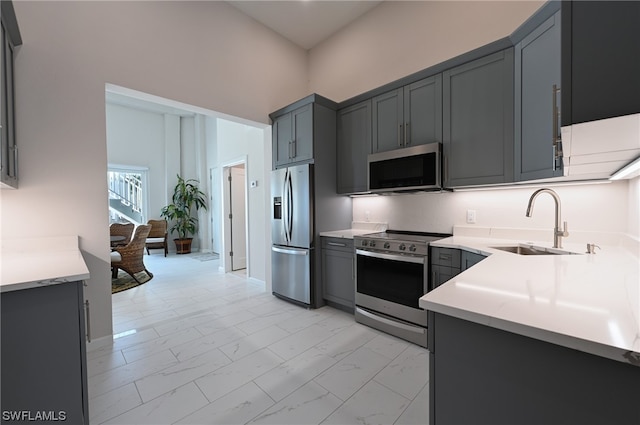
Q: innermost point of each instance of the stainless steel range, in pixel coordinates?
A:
(392, 273)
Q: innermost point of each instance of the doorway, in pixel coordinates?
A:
(235, 216)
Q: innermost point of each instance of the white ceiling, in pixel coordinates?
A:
(305, 22)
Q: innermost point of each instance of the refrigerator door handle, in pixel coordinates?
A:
(290, 251)
(290, 206)
(285, 207)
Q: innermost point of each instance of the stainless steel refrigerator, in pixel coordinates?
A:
(292, 233)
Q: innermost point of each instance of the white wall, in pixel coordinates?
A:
(633, 221)
(588, 209)
(137, 138)
(201, 53)
(398, 38)
(236, 142)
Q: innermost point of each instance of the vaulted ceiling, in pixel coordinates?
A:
(305, 22)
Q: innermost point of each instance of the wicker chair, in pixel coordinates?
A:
(130, 257)
(157, 238)
(121, 230)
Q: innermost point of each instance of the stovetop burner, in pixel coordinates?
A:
(398, 241)
(406, 236)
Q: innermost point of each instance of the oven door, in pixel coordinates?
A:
(392, 284)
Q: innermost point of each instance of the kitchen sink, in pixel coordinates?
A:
(532, 250)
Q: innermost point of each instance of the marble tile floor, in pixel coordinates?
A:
(197, 346)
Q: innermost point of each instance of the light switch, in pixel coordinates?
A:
(471, 216)
(254, 183)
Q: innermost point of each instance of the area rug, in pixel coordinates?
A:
(205, 256)
(124, 281)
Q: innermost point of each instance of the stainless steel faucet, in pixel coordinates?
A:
(558, 233)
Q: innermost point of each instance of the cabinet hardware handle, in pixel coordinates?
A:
(446, 257)
(556, 139)
(15, 161)
(294, 149)
(337, 244)
(434, 279)
(88, 312)
(406, 141)
(400, 135)
(446, 169)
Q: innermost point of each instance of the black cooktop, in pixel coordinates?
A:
(402, 235)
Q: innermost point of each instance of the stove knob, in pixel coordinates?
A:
(365, 243)
(387, 245)
(412, 248)
(402, 247)
(372, 244)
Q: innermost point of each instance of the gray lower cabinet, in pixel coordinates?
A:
(537, 118)
(447, 263)
(483, 375)
(408, 116)
(44, 370)
(338, 283)
(478, 121)
(470, 259)
(353, 147)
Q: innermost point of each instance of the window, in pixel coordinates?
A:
(127, 194)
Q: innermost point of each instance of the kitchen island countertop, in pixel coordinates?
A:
(588, 302)
(32, 263)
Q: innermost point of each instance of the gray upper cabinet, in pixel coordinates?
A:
(537, 120)
(600, 66)
(423, 111)
(293, 137)
(353, 146)
(388, 121)
(408, 116)
(9, 39)
(478, 121)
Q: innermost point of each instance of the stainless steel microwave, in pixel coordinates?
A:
(409, 169)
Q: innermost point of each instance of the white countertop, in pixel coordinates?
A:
(587, 302)
(357, 229)
(31, 263)
(347, 233)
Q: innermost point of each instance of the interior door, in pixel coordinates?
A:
(238, 217)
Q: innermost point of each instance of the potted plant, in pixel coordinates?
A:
(186, 198)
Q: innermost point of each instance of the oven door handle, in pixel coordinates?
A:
(403, 258)
(390, 322)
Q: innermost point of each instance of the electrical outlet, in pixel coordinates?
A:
(471, 216)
